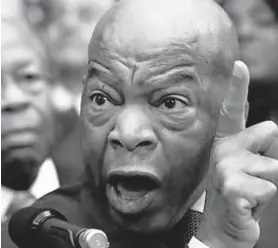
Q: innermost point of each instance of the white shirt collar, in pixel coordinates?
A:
(200, 204)
(46, 181)
(6, 199)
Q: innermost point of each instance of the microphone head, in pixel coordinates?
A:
(23, 230)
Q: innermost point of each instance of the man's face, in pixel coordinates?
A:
(71, 28)
(258, 33)
(149, 114)
(27, 128)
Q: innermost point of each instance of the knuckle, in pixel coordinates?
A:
(268, 125)
(271, 189)
(275, 172)
(267, 128)
(220, 173)
(224, 147)
(226, 165)
(230, 187)
(217, 152)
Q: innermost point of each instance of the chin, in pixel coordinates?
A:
(140, 200)
(20, 169)
(149, 222)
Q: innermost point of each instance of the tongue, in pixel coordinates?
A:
(133, 188)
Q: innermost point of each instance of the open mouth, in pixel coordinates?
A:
(133, 187)
(131, 193)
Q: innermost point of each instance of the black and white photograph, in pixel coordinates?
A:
(139, 123)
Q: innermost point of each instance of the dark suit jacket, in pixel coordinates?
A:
(85, 207)
(66, 152)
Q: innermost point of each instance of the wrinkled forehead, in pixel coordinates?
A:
(136, 32)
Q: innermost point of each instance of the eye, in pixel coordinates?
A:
(100, 100)
(31, 77)
(31, 80)
(172, 103)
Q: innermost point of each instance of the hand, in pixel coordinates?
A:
(243, 173)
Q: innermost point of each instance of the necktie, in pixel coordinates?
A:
(180, 235)
(193, 221)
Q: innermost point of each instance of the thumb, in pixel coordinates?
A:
(232, 116)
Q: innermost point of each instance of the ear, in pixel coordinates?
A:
(233, 115)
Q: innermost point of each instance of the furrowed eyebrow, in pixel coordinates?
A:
(91, 72)
(94, 68)
(99, 67)
(177, 75)
(97, 70)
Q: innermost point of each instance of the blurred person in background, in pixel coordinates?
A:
(30, 121)
(67, 26)
(27, 131)
(257, 25)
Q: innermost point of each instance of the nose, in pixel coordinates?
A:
(14, 99)
(133, 130)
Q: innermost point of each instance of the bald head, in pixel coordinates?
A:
(142, 28)
(158, 73)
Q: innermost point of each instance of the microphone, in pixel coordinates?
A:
(46, 227)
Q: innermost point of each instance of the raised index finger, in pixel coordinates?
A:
(233, 111)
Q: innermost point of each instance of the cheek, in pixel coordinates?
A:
(40, 112)
(94, 143)
(96, 128)
(94, 139)
(98, 118)
(187, 153)
(42, 104)
(178, 121)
